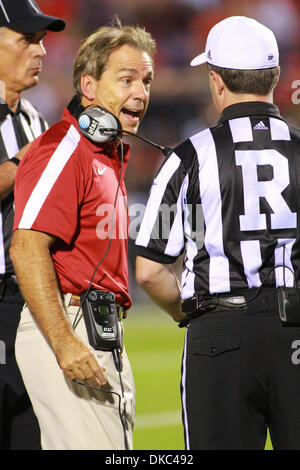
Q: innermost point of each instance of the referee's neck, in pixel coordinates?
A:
(234, 98)
(12, 100)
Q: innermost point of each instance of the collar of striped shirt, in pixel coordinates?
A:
(5, 110)
(250, 108)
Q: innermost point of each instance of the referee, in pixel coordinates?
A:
(22, 29)
(240, 284)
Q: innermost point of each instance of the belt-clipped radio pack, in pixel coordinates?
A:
(289, 305)
(101, 320)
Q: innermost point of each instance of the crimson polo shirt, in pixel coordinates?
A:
(66, 186)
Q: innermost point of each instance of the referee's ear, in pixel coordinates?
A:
(217, 87)
(218, 90)
(217, 82)
(279, 71)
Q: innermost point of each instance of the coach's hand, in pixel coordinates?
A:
(79, 362)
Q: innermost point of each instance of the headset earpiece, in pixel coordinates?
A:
(101, 126)
(95, 118)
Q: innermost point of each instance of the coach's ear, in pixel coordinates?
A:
(87, 83)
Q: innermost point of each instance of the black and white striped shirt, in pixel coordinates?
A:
(16, 130)
(229, 198)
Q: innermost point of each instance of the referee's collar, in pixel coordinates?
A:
(5, 110)
(250, 108)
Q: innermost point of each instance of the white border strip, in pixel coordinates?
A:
(4, 12)
(48, 178)
(183, 395)
(2, 253)
(210, 192)
(156, 195)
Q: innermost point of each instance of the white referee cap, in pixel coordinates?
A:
(240, 43)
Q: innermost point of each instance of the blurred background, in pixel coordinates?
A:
(180, 102)
(180, 105)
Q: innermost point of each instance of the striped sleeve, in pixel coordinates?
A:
(161, 235)
(38, 124)
(9, 145)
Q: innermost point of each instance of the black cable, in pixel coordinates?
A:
(166, 151)
(265, 280)
(78, 317)
(111, 131)
(122, 414)
(185, 322)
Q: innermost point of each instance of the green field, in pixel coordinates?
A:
(154, 345)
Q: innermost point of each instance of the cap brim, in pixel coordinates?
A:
(35, 23)
(199, 60)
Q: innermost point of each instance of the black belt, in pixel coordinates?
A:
(6, 276)
(199, 305)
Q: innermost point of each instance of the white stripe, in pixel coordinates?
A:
(158, 420)
(241, 129)
(283, 251)
(156, 194)
(279, 130)
(48, 178)
(212, 209)
(183, 394)
(188, 276)
(4, 12)
(251, 255)
(36, 126)
(9, 137)
(2, 252)
(34, 117)
(27, 129)
(176, 235)
(35, 8)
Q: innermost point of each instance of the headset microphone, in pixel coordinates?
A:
(165, 150)
(101, 126)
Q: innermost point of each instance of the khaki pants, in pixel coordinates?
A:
(71, 416)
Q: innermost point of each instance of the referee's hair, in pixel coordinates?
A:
(257, 82)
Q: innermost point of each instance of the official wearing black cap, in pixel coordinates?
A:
(26, 17)
(23, 27)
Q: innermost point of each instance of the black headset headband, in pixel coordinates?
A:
(101, 126)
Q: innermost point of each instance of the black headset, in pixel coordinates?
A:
(101, 126)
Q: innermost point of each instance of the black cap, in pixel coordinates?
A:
(25, 16)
